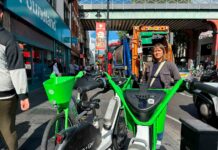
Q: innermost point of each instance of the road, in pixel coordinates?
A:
(181, 106)
(31, 124)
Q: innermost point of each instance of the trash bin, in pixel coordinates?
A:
(197, 135)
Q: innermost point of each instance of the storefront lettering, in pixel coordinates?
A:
(41, 13)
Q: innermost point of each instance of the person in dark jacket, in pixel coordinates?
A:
(13, 85)
(167, 75)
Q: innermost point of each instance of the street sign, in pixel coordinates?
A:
(100, 35)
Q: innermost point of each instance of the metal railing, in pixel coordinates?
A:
(150, 4)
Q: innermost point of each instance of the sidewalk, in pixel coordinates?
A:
(31, 124)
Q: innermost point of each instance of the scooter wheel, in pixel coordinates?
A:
(120, 133)
(206, 112)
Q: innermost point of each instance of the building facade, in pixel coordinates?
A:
(42, 35)
(78, 36)
(205, 44)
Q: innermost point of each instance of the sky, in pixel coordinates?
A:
(113, 37)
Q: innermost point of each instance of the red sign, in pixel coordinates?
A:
(81, 56)
(26, 54)
(100, 35)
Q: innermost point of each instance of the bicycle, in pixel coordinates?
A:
(59, 92)
(75, 108)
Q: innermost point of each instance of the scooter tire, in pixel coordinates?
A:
(49, 127)
(120, 135)
(211, 113)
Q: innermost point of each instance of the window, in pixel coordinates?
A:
(206, 49)
(66, 14)
(48, 58)
(27, 56)
(52, 3)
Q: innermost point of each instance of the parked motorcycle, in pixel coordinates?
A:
(209, 76)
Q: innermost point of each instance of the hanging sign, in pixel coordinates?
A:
(100, 35)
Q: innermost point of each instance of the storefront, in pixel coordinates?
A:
(205, 45)
(41, 35)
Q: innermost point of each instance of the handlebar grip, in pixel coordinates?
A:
(101, 82)
(206, 88)
(80, 74)
(90, 85)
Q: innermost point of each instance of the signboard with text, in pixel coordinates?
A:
(100, 35)
(40, 14)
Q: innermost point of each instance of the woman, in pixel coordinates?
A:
(160, 74)
(168, 73)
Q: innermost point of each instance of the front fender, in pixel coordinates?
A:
(199, 95)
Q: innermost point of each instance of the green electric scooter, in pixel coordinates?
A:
(140, 111)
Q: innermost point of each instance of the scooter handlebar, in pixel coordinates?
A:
(92, 84)
(206, 88)
(80, 74)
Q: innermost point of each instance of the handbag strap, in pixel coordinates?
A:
(156, 73)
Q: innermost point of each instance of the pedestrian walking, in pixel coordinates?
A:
(13, 84)
(72, 67)
(57, 67)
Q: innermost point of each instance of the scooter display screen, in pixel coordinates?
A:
(143, 103)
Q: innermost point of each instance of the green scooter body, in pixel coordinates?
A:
(157, 120)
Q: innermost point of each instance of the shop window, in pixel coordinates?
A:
(37, 64)
(66, 14)
(27, 59)
(206, 49)
(36, 56)
(60, 55)
(52, 3)
(48, 58)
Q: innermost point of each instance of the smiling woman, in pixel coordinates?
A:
(160, 73)
(160, 70)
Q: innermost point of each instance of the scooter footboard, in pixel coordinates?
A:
(138, 144)
(141, 140)
(146, 136)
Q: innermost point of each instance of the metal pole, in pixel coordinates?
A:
(107, 28)
(71, 30)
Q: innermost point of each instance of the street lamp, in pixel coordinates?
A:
(98, 15)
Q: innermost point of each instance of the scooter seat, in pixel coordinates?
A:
(143, 104)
